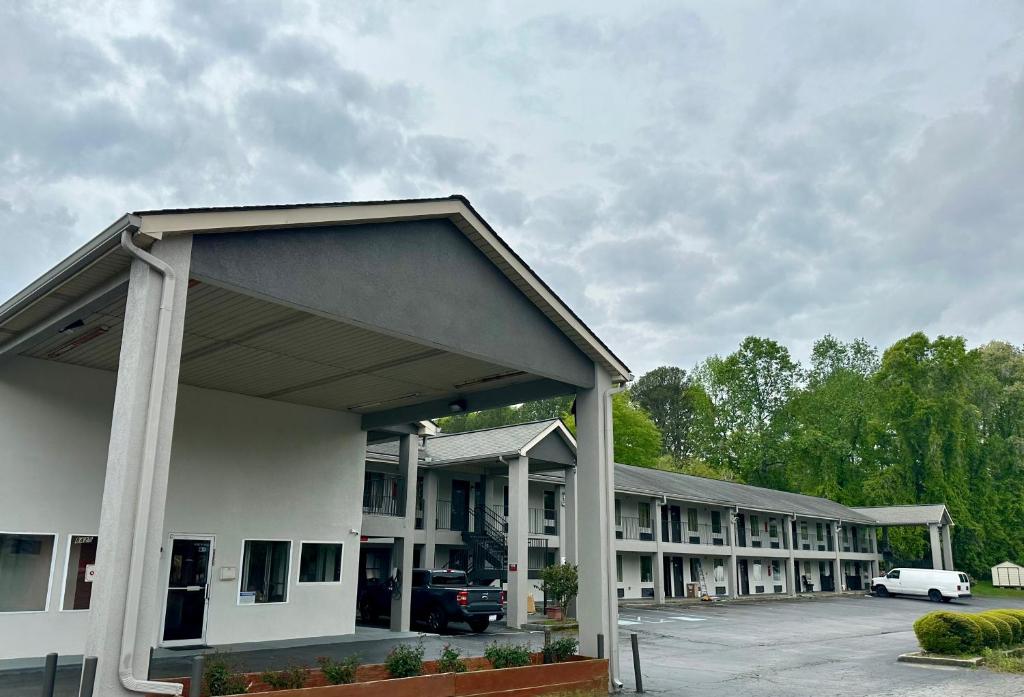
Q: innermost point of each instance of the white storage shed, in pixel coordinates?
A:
(1008, 575)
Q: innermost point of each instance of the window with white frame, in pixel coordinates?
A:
(646, 569)
(265, 571)
(320, 562)
(618, 568)
(757, 570)
(77, 584)
(26, 564)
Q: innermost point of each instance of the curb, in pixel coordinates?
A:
(925, 659)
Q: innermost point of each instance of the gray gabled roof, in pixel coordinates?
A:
(485, 444)
(699, 489)
(924, 514)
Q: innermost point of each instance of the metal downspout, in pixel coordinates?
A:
(613, 606)
(140, 536)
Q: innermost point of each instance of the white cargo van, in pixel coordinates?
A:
(932, 583)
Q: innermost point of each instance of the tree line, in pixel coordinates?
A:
(926, 421)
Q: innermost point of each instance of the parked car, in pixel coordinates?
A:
(439, 597)
(934, 584)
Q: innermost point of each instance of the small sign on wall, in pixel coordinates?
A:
(228, 573)
(513, 567)
(247, 598)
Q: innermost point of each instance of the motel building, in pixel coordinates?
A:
(676, 536)
(194, 405)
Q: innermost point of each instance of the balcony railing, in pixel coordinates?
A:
(384, 494)
(759, 538)
(541, 521)
(702, 534)
(814, 543)
(634, 529)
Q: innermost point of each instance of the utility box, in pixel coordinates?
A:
(1008, 575)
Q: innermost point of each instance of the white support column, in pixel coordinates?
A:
(570, 538)
(597, 602)
(141, 432)
(429, 518)
(792, 582)
(933, 538)
(518, 540)
(837, 564)
(947, 549)
(734, 578)
(408, 467)
(659, 554)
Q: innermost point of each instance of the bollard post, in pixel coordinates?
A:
(600, 645)
(195, 683)
(636, 663)
(85, 688)
(547, 643)
(49, 674)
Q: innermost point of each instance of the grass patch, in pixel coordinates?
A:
(1003, 663)
(985, 589)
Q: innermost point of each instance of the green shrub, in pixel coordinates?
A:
(291, 678)
(405, 661)
(508, 655)
(991, 637)
(1016, 622)
(451, 660)
(561, 649)
(561, 583)
(948, 633)
(1005, 630)
(221, 678)
(339, 672)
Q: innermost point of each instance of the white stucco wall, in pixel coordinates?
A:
(240, 468)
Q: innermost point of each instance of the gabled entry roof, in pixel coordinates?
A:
(101, 261)
(487, 443)
(895, 516)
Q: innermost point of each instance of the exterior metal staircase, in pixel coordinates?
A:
(488, 548)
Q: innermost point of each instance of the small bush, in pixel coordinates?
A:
(291, 678)
(450, 660)
(948, 633)
(339, 672)
(221, 678)
(1016, 623)
(508, 655)
(405, 661)
(1005, 630)
(991, 637)
(561, 649)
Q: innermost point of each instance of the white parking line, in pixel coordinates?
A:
(689, 619)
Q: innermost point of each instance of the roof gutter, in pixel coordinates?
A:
(85, 256)
(158, 377)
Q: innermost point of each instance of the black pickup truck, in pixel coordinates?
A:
(439, 597)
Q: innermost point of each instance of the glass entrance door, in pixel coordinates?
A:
(187, 585)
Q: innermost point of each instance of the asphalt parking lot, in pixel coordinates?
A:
(842, 646)
(824, 646)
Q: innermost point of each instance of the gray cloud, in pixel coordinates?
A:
(683, 176)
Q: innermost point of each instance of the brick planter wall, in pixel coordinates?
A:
(481, 680)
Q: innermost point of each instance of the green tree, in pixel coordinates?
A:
(830, 445)
(749, 390)
(637, 439)
(679, 408)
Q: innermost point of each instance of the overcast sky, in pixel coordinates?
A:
(683, 175)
